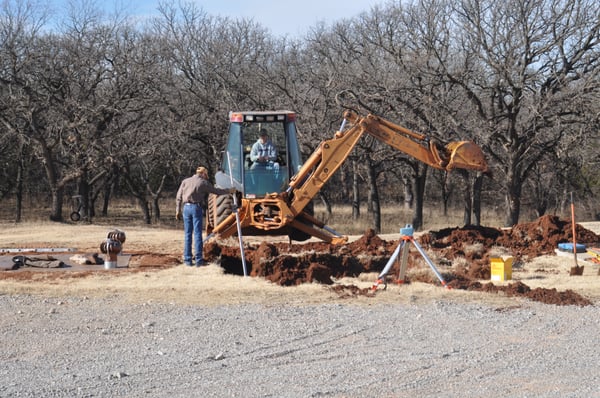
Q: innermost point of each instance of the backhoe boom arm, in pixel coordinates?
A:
(331, 154)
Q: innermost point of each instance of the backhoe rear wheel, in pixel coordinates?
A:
(219, 208)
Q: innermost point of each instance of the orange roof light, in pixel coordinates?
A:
(236, 117)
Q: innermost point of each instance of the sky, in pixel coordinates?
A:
(290, 18)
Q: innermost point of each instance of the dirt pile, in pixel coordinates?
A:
(293, 264)
(547, 296)
(523, 241)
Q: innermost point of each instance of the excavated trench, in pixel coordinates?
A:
(469, 247)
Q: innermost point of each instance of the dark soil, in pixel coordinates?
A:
(294, 264)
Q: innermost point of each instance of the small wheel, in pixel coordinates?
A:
(75, 216)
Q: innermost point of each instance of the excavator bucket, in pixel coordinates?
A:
(466, 155)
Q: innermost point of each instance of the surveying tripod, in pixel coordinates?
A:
(406, 238)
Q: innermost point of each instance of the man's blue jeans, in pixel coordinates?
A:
(192, 225)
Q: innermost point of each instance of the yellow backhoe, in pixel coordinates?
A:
(276, 198)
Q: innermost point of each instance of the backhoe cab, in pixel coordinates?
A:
(253, 178)
(257, 178)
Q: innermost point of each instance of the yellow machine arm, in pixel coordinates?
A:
(330, 155)
(286, 209)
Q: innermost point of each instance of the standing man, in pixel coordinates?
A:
(263, 151)
(192, 193)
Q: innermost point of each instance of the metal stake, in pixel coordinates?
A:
(237, 218)
(574, 230)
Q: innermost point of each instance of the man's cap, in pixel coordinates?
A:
(201, 170)
(263, 133)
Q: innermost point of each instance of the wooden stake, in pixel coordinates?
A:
(574, 235)
(576, 270)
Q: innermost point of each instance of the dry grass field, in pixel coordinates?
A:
(211, 286)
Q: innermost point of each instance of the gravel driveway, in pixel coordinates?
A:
(105, 347)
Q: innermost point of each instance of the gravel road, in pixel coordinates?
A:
(105, 347)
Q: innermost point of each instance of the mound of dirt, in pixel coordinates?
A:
(524, 241)
(543, 235)
(293, 264)
(543, 295)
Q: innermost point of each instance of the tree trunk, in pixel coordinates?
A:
(145, 207)
(57, 203)
(106, 199)
(326, 202)
(408, 194)
(344, 193)
(513, 200)
(467, 197)
(109, 188)
(541, 205)
(94, 192)
(156, 196)
(355, 192)
(156, 208)
(375, 207)
(56, 189)
(138, 190)
(19, 190)
(420, 177)
(445, 193)
(468, 203)
(93, 198)
(477, 187)
(84, 192)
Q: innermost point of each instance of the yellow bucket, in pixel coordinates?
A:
(501, 268)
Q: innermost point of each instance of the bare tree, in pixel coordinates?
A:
(392, 59)
(102, 104)
(20, 25)
(528, 66)
(218, 63)
(60, 111)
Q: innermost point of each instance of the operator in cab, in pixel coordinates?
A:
(263, 151)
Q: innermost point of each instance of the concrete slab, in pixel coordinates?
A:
(6, 262)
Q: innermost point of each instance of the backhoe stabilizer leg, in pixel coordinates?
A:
(319, 233)
(311, 219)
(227, 227)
